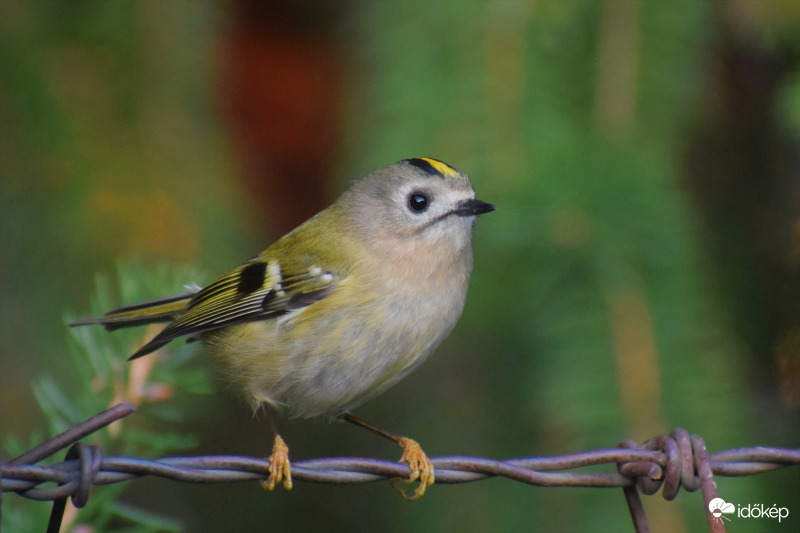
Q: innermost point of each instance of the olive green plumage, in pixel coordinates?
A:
(343, 306)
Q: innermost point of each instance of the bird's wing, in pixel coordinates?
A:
(257, 290)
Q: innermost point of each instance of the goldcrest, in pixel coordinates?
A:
(340, 308)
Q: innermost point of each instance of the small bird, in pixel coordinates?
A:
(340, 308)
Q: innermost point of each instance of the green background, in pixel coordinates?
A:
(639, 274)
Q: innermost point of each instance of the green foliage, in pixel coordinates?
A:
(167, 391)
(111, 133)
(590, 219)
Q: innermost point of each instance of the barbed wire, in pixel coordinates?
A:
(667, 462)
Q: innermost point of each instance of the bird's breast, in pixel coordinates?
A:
(336, 353)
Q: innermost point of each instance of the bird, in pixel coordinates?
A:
(340, 308)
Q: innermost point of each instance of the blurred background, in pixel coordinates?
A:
(640, 272)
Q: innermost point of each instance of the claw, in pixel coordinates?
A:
(421, 469)
(280, 469)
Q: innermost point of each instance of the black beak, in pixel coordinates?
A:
(474, 207)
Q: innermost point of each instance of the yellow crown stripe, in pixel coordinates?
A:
(442, 168)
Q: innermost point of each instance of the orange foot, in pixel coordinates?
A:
(421, 469)
(279, 467)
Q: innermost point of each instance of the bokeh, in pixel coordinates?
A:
(640, 272)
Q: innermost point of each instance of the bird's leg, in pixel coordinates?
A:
(421, 467)
(280, 469)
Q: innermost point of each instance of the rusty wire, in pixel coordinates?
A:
(667, 462)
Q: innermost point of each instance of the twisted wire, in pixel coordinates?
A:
(666, 462)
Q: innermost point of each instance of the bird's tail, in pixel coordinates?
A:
(162, 310)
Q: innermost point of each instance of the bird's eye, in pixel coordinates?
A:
(418, 202)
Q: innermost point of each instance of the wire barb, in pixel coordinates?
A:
(667, 462)
(686, 463)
